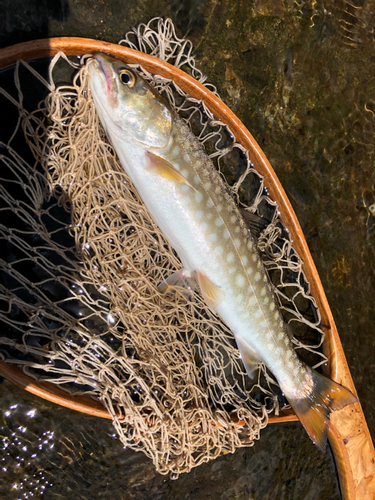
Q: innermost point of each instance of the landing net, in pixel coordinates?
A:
(81, 259)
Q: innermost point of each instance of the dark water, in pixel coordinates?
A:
(300, 77)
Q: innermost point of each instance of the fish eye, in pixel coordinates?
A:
(127, 77)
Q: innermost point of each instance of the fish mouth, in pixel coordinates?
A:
(103, 65)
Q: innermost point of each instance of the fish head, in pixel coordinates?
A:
(128, 106)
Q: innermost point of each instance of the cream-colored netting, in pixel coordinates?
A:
(81, 259)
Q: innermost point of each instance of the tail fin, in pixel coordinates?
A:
(313, 411)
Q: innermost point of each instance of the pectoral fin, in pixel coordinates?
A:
(212, 294)
(162, 167)
(249, 357)
(181, 281)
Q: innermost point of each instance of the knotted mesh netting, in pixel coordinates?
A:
(81, 259)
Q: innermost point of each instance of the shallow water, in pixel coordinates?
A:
(53, 453)
(299, 76)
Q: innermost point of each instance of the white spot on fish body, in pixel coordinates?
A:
(199, 214)
(185, 173)
(185, 188)
(258, 313)
(263, 292)
(244, 260)
(280, 336)
(226, 234)
(249, 270)
(254, 257)
(233, 219)
(230, 257)
(219, 222)
(213, 237)
(257, 277)
(196, 179)
(186, 157)
(232, 270)
(253, 299)
(207, 186)
(266, 300)
(198, 197)
(176, 151)
(237, 242)
(272, 306)
(204, 226)
(237, 230)
(240, 280)
(239, 298)
(219, 250)
(209, 215)
(210, 203)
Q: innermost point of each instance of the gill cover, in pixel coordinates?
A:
(127, 105)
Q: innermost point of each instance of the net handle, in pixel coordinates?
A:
(348, 434)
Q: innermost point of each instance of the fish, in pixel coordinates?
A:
(191, 204)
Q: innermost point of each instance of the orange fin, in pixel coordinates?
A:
(313, 411)
(212, 294)
(249, 357)
(162, 167)
(181, 281)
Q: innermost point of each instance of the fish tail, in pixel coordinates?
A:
(313, 411)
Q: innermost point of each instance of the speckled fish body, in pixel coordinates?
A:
(191, 204)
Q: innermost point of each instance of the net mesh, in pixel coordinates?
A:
(81, 259)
